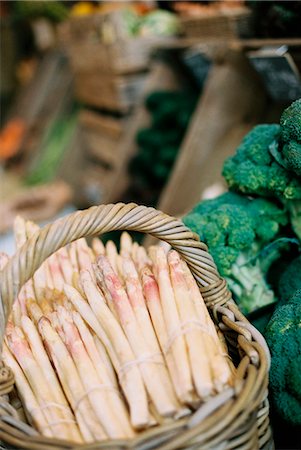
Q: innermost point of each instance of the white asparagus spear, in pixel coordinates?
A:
(113, 396)
(126, 243)
(34, 413)
(131, 378)
(136, 297)
(219, 364)
(98, 247)
(103, 287)
(55, 270)
(85, 256)
(134, 251)
(105, 359)
(95, 348)
(148, 361)
(97, 391)
(71, 382)
(196, 327)
(39, 277)
(34, 310)
(72, 252)
(171, 316)
(20, 348)
(152, 296)
(65, 265)
(112, 254)
(42, 359)
(141, 259)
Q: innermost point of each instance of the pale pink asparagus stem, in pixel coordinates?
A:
(85, 256)
(136, 297)
(98, 247)
(116, 403)
(197, 332)
(42, 359)
(94, 383)
(111, 252)
(65, 265)
(219, 363)
(126, 243)
(20, 348)
(34, 414)
(76, 283)
(71, 382)
(152, 296)
(114, 331)
(149, 362)
(171, 316)
(103, 287)
(131, 378)
(55, 270)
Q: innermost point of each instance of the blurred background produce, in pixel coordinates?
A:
(191, 107)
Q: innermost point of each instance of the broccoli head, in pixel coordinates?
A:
(254, 170)
(287, 151)
(290, 280)
(236, 229)
(283, 335)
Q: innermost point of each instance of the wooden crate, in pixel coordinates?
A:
(218, 25)
(100, 136)
(114, 93)
(100, 42)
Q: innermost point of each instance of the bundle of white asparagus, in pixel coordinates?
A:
(104, 344)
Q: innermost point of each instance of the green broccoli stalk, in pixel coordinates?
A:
(283, 335)
(236, 230)
(253, 170)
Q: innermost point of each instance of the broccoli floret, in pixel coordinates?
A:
(253, 170)
(236, 229)
(283, 335)
(290, 123)
(287, 151)
(290, 280)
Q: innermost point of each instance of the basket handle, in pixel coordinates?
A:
(97, 220)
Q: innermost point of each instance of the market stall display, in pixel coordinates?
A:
(107, 300)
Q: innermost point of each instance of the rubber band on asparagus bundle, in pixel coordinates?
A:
(100, 387)
(183, 329)
(155, 358)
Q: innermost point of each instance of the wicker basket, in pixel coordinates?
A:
(227, 26)
(235, 419)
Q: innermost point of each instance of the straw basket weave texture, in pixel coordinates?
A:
(235, 419)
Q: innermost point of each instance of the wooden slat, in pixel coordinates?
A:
(233, 97)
